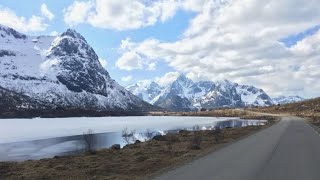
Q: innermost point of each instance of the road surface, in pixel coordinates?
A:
(289, 150)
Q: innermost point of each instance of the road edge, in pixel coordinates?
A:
(316, 129)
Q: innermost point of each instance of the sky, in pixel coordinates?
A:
(271, 44)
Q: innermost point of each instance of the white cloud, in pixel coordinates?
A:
(103, 62)
(77, 12)
(152, 66)
(130, 61)
(167, 78)
(308, 46)
(9, 18)
(46, 12)
(23, 24)
(239, 40)
(124, 14)
(54, 33)
(133, 59)
(126, 78)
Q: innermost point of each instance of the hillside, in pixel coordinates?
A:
(306, 108)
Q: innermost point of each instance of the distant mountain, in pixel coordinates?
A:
(183, 94)
(145, 90)
(287, 99)
(60, 71)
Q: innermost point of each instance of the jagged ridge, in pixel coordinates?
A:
(183, 94)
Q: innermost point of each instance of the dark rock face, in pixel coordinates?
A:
(159, 138)
(267, 99)
(6, 53)
(81, 68)
(223, 97)
(172, 99)
(173, 102)
(10, 101)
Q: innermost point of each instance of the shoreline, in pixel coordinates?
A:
(134, 161)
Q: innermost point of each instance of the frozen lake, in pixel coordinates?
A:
(22, 139)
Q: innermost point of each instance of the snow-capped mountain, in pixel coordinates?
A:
(287, 99)
(61, 71)
(183, 94)
(145, 90)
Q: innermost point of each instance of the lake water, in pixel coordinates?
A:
(23, 139)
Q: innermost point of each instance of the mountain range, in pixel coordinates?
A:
(287, 99)
(183, 94)
(58, 72)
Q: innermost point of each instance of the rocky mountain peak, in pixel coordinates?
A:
(71, 43)
(183, 78)
(61, 71)
(181, 83)
(78, 65)
(74, 34)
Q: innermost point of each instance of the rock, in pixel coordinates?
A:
(116, 147)
(159, 138)
(183, 131)
(137, 142)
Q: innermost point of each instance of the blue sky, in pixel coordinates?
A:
(294, 38)
(204, 39)
(107, 41)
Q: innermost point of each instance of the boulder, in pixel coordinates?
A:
(116, 147)
(159, 138)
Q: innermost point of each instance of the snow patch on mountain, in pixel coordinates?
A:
(145, 90)
(287, 99)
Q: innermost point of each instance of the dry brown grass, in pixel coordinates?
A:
(136, 161)
(243, 114)
(307, 108)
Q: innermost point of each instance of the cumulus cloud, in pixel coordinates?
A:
(126, 78)
(46, 12)
(23, 24)
(167, 78)
(132, 59)
(77, 12)
(103, 62)
(240, 40)
(124, 14)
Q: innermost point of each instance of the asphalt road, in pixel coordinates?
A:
(289, 150)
